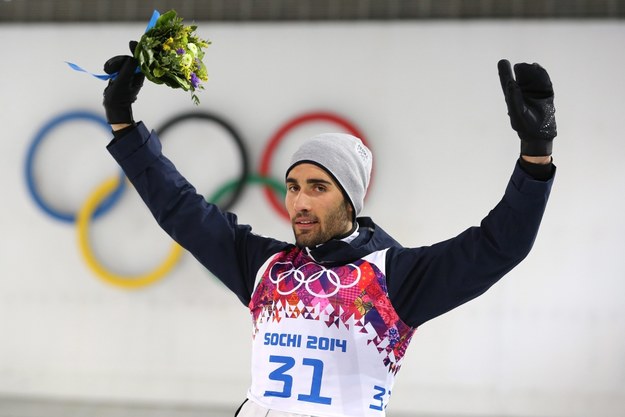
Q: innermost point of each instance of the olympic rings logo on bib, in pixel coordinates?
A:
(106, 195)
(310, 275)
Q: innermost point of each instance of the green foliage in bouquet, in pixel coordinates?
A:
(171, 54)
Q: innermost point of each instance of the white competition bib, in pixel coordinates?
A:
(327, 341)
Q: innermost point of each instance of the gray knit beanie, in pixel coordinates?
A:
(345, 157)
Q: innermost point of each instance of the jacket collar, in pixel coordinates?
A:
(370, 238)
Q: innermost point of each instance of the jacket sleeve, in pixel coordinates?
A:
(426, 282)
(229, 250)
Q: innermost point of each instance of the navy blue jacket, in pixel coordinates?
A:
(422, 282)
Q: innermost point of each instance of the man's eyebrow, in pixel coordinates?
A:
(318, 181)
(310, 181)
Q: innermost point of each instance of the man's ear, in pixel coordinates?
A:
(350, 210)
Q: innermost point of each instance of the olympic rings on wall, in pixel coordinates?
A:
(245, 163)
(85, 214)
(30, 160)
(226, 196)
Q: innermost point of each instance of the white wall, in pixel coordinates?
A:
(546, 341)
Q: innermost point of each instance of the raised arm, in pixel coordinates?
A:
(229, 250)
(429, 281)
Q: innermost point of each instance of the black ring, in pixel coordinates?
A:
(245, 164)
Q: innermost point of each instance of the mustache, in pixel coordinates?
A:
(304, 216)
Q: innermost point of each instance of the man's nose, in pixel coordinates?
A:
(301, 202)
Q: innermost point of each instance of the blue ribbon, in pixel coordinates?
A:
(105, 77)
(153, 19)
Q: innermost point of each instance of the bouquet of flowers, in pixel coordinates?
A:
(170, 53)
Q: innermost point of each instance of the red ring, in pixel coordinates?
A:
(279, 136)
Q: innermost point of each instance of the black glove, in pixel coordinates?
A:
(530, 106)
(122, 90)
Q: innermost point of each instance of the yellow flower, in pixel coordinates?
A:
(167, 44)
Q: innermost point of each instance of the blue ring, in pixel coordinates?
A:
(30, 180)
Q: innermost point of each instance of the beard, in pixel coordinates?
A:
(336, 223)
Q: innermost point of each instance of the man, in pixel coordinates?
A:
(334, 313)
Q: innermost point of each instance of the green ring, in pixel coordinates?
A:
(250, 179)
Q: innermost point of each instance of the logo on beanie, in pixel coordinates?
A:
(362, 152)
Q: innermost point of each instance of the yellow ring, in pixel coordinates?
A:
(129, 282)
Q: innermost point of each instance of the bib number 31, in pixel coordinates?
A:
(281, 374)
